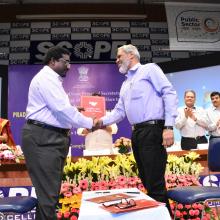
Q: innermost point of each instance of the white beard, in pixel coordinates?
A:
(124, 66)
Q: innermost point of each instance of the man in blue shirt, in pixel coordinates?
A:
(46, 135)
(149, 101)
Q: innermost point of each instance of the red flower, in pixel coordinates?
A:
(93, 186)
(188, 206)
(184, 213)
(122, 180)
(103, 184)
(200, 206)
(180, 206)
(196, 212)
(191, 212)
(73, 217)
(83, 184)
(77, 190)
(73, 210)
(195, 206)
(132, 181)
(59, 215)
(111, 183)
(178, 213)
(66, 215)
(68, 194)
(141, 187)
(64, 187)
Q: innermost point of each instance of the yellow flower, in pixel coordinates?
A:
(71, 202)
(184, 165)
(192, 155)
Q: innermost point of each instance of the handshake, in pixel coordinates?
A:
(97, 124)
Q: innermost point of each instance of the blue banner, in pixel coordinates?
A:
(18, 191)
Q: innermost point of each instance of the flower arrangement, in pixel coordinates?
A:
(184, 171)
(70, 204)
(184, 165)
(100, 168)
(101, 173)
(123, 144)
(8, 153)
(71, 193)
(193, 211)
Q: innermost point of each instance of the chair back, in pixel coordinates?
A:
(214, 155)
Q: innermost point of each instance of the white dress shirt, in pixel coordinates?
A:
(49, 103)
(213, 115)
(187, 126)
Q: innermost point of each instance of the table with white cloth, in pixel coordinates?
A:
(93, 211)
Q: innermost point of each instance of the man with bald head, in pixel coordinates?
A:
(191, 122)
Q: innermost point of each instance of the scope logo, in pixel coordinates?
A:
(2, 217)
(89, 50)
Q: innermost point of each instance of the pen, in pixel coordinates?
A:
(133, 192)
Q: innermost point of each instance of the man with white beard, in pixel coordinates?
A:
(149, 101)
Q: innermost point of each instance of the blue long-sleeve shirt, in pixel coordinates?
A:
(145, 95)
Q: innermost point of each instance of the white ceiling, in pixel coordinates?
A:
(103, 1)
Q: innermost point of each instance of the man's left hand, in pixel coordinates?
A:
(168, 138)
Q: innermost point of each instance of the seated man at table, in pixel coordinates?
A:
(191, 122)
(5, 133)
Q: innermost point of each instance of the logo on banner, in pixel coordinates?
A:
(2, 217)
(93, 103)
(212, 180)
(83, 74)
(18, 191)
(83, 79)
(198, 26)
(211, 25)
(83, 50)
(90, 50)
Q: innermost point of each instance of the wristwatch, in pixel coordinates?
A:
(168, 127)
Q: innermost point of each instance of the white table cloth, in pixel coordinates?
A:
(92, 211)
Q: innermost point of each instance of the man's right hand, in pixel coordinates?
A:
(168, 138)
(80, 109)
(97, 124)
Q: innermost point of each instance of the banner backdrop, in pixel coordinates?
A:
(193, 26)
(18, 191)
(82, 79)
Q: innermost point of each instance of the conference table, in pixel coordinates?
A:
(93, 211)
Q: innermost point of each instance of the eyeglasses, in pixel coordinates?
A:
(67, 62)
(123, 204)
